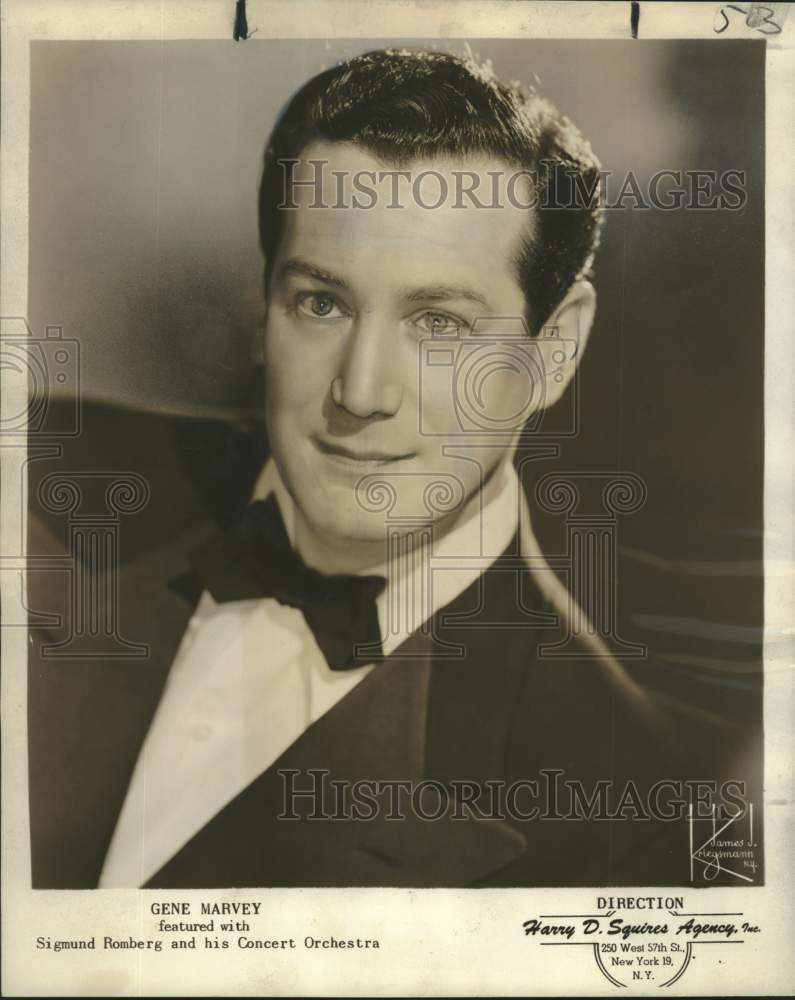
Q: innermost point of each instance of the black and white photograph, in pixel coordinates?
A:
(393, 482)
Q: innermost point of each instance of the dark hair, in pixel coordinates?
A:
(407, 105)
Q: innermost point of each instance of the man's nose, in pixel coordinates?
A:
(367, 384)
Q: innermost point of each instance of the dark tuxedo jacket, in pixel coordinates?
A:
(499, 713)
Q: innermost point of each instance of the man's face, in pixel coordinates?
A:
(351, 398)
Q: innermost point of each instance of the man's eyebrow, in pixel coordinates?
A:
(443, 293)
(428, 293)
(297, 265)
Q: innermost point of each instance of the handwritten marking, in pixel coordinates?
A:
(757, 16)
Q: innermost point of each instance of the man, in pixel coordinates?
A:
(380, 612)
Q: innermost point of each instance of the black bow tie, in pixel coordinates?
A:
(254, 559)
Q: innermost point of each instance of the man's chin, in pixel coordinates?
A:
(341, 529)
(361, 511)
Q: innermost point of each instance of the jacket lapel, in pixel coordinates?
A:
(379, 733)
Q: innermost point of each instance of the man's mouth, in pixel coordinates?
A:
(358, 458)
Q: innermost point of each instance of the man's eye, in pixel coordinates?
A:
(318, 305)
(436, 322)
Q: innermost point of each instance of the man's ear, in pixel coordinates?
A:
(563, 338)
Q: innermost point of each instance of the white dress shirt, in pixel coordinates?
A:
(249, 679)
